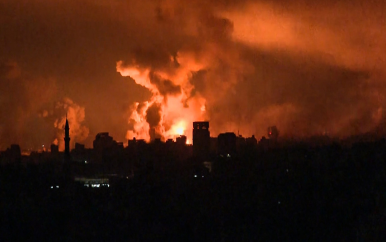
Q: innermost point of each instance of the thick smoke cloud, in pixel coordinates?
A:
(153, 115)
(75, 115)
(260, 64)
(165, 87)
(21, 98)
(307, 67)
(23, 110)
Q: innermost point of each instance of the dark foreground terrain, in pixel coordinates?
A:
(327, 194)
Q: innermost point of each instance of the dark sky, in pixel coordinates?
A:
(308, 67)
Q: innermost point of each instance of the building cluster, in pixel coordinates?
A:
(106, 149)
(227, 144)
(11, 155)
(108, 156)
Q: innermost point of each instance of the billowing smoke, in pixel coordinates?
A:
(170, 111)
(172, 75)
(75, 115)
(249, 65)
(21, 98)
(308, 67)
(153, 118)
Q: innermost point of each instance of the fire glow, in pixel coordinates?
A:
(179, 128)
(171, 109)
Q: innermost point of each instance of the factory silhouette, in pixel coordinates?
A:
(224, 188)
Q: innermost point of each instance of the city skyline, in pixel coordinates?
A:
(71, 146)
(175, 120)
(152, 68)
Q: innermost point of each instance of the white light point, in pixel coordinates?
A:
(180, 130)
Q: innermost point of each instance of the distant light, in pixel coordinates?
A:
(57, 186)
(287, 170)
(180, 130)
(52, 187)
(86, 185)
(195, 175)
(85, 162)
(43, 146)
(278, 202)
(228, 155)
(202, 176)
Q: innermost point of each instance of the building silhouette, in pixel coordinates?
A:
(79, 153)
(181, 140)
(11, 155)
(54, 149)
(251, 141)
(227, 144)
(106, 148)
(67, 140)
(103, 141)
(201, 139)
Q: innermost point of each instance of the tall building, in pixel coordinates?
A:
(103, 141)
(201, 139)
(67, 139)
(106, 148)
(227, 144)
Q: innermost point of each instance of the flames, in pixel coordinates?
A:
(171, 109)
(178, 128)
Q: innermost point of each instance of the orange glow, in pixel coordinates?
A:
(75, 115)
(176, 113)
(267, 26)
(178, 128)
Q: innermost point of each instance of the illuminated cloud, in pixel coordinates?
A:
(21, 98)
(75, 115)
(307, 67)
(169, 103)
(260, 64)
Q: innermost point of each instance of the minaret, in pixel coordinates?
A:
(67, 139)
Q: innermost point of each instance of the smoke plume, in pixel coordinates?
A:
(304, 66)
(21, 98)
(249, 65)
(75, 115)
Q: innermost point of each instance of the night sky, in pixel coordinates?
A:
(125, 67)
